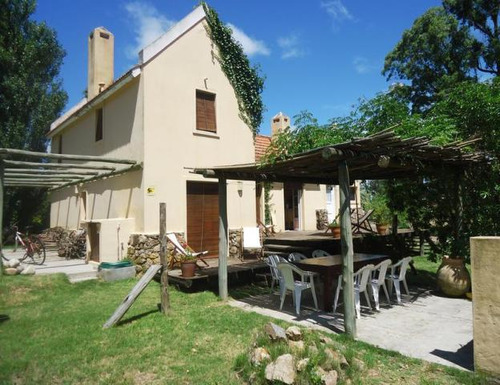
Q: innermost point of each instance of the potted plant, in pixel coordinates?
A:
(334, 227)
(381, 215)
(188, 264)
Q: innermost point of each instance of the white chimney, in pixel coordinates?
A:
(101, 61)
(279, 122)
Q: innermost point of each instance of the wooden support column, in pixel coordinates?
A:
(346, 251)
(165, 300)
(223, 239)
(1, 214)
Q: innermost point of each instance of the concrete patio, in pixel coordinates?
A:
(76, 269)
(425, 325)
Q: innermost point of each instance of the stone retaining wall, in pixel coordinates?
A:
(144, 249)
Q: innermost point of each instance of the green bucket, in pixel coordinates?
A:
(114, 265)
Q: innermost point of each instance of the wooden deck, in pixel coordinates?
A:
(234, 267)
(306, 242)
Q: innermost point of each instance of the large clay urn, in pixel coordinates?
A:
(453, 278)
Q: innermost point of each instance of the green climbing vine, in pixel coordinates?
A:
(244, 78)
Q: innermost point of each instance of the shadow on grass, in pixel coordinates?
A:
(136, 317)
(4, 317)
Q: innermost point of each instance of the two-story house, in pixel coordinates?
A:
(174, 111)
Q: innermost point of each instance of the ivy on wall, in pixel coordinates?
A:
(245, 79)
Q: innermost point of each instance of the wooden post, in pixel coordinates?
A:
(223, 239)
(347, 251)
(1, 215)
(165, 300)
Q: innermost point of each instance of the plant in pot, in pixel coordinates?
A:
(382, 216)
(188, 264)
(334, 227)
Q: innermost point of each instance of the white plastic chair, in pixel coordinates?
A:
(273, 270)
(360, 279)
(320, 253)
(397, 275)
(378, 280)
(293, 257)
(296, 287)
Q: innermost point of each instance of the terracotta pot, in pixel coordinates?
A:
(453, 279)
(335, 231)
(188, 268)
(382, 229)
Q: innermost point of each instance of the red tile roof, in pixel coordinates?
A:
(262, 142)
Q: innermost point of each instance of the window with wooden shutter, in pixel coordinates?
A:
(205, 111)
(98, 125)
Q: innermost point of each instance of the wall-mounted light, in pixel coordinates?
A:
(239, 187)
(383, 161)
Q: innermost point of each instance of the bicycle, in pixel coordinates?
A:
(33, 246)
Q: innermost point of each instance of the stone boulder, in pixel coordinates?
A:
(283, 369)
(275, 332)
(10, 271)
(328, 378)
(293, 333)
(259, 355)
(28, 270)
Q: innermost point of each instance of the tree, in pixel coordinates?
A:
(31, 95)
(434, 54)
(481, 16)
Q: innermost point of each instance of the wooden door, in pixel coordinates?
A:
(94, 241)
(203, 217)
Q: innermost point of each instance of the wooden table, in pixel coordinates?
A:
(330, 267)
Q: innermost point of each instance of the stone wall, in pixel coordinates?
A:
(235, 243)
(144, 249)
(485, 267)
(321, 219)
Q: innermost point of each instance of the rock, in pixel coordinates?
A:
(134, 239)
(313, 349)
(296, 345)
(156, 249)
(275, 332)
(326, 340)
(29, 270)
(283, 369)
(359, 364)
(142, 238)
(293, 333)
(12, 263)
(259, 355)
(20, 268)
(10, 271)
(328, 378)
(302, 364)
(337, 357)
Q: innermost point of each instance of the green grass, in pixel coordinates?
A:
(55, 336)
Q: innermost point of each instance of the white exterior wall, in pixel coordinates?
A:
(313, 198)
(171, 140)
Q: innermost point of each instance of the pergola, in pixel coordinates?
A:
(20, 168)
(383, 155)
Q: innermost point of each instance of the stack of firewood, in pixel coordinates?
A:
(72, 244)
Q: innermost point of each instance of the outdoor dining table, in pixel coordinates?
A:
(330, 267)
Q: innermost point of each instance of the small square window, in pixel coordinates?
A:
(205, 111)
(98, 125)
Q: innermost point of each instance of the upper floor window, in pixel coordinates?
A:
(98, 125)
(205, 111)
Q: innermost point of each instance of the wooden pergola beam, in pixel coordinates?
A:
(31, 154)
(21, 163)
(14, 171)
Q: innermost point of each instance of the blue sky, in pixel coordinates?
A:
(317, 55)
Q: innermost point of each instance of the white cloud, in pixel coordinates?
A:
(337, 11)
(148, 25)
(290, 47)
(251, 47)
(362, 65)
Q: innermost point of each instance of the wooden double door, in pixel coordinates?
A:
(203, 217)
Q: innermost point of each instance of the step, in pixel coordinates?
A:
(84, 276)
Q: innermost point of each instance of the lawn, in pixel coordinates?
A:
(55, 336)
